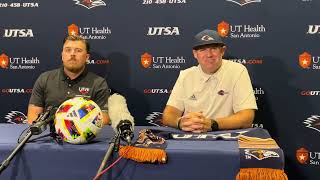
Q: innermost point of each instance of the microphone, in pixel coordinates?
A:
(44, 115)
(121, 120)
(40, 124)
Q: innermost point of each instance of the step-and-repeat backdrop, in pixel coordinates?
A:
(139, 47)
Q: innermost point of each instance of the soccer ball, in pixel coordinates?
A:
(78, 120)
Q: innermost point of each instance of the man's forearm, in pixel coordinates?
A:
(106, 118)
(33, 112)
(170, 116)
(239, 120)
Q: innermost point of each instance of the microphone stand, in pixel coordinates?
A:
(114, 146)
(52, 134)
(37, 128)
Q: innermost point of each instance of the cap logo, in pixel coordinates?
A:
(206, 38)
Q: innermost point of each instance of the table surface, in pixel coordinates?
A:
(44, 158)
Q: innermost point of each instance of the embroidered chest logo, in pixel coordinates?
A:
(222, 92)
(193, 97)
(84, 90)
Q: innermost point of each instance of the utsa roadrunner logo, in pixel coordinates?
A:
(206, 38)
(243, 2)
(155, 118)
(261, 154)
(90, 3)
(16, 117)
(84, 90)
(313, 122)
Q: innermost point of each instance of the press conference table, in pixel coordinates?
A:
(46, 159)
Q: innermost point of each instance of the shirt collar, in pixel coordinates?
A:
(206, 77)
(64, 77)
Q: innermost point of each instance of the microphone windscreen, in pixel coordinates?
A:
(118, 111)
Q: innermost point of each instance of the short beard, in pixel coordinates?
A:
(74, 69)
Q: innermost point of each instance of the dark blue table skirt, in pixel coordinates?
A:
(45, 159)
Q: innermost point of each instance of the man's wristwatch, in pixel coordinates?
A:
(214, 125)
(178, 123)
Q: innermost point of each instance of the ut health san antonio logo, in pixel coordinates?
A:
(243, 2)
(90, 3)
(146, 60)
(223, 29)
(4, 61)
(305, 60)
(302, 155)
(73, 30)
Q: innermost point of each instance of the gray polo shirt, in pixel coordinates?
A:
(54, 87)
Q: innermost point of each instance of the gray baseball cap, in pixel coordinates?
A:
(206, 37)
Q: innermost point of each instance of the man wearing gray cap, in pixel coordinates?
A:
(215, 95)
